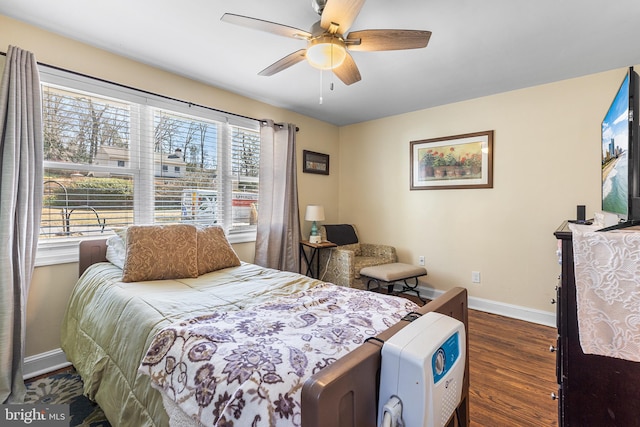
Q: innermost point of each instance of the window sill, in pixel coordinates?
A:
(242, 237)
(65, 251)
(58, 252)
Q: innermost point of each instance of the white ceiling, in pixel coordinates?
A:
(478, 47)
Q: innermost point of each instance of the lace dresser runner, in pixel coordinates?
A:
(607, 273)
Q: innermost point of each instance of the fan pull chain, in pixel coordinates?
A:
(331, 83)
(320, 87)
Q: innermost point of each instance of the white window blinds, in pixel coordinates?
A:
(115, 156)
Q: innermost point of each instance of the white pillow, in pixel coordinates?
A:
(116, 251)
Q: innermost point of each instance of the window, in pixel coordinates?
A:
(115, 156)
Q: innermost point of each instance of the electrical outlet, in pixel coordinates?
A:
(475, 277)
(421, 260)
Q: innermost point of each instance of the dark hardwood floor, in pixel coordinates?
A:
(512, 372)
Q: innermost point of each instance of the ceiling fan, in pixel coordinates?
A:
(328, 43)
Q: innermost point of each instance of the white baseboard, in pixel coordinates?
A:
(55, 359)
(540, 317)
(44, 363)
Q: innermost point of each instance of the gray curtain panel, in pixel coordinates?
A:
(278, 231)
(21, 181)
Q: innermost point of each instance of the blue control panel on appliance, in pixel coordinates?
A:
(445, 357)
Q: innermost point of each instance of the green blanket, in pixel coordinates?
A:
(109, 325)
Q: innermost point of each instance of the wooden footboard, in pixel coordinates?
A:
(345, 394)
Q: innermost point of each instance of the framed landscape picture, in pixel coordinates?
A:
(459, 161)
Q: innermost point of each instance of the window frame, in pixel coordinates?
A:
(65, 250)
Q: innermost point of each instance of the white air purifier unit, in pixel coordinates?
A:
(423, 366)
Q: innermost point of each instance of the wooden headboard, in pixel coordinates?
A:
(91, 252)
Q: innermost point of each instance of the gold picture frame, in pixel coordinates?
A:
(459, 161)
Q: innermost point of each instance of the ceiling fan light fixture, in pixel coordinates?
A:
(326, 52)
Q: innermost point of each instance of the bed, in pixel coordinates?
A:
(111, 327)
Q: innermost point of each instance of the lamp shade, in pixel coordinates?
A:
(314, 213)
(326, 52)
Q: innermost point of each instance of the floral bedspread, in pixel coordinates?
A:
(247, 368)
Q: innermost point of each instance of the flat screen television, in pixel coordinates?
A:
(621, 155)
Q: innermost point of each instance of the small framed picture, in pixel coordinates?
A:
(313, 162)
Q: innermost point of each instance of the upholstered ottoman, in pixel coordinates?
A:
(391, 273)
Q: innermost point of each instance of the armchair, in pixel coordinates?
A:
(343, 263)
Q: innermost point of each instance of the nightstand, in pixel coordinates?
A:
(310, 252)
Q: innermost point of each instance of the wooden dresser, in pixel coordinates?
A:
(593, 390)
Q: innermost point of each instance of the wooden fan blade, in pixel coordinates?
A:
(267, 26)
(348, 71)
(375, 40)
(284, 63)
(338, 15)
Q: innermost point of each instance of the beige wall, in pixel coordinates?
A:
(48, 295)
(51, 286)
(546, 161)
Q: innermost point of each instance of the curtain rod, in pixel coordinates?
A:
(261, 121)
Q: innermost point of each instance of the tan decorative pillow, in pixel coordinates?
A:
(157, 252)
(214, 250)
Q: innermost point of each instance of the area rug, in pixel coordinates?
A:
(66, 388)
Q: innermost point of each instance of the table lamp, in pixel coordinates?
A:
(314, 213)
